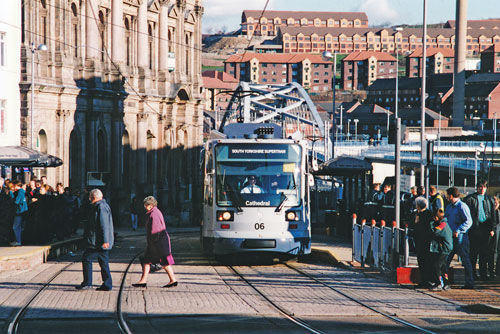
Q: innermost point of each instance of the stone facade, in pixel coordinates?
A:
(10, 41)
(118, 92)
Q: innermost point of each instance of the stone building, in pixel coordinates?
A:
(117, 94)
(10, 41)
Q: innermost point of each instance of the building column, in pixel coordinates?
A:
(117, 41)
(141, 147)
(116, 151)
(142, 36)
(91, 32)
(90, 143)
(163, 40)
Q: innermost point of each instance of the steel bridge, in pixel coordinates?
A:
(287, 105)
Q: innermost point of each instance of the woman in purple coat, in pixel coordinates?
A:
(158, 244)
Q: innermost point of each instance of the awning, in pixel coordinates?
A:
(344, 166)
(19, 156)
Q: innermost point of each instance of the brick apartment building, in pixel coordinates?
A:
(490, 59)
(438, 61)
(360, 69)
(253, 24)
(309, 70)
(347, 40)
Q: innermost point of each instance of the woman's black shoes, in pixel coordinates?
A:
(171, 285)
(139, 285)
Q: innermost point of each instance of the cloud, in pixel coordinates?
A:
(378, 11)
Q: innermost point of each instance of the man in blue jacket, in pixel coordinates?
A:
(459, 219)
(99, 237)
(21, 208)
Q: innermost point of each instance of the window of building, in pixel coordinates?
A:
(2, 49)
(264, 80)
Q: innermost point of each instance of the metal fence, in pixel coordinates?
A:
(379, 246)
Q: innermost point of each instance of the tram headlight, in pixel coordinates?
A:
(292, 216)
(225, 216)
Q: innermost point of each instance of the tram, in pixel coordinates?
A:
(256, 196)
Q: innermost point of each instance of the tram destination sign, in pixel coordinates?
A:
(258, 152)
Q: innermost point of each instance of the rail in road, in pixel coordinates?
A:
(212, 297)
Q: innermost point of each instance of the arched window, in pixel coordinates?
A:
(102, 156)
(102, 34)
(171, 40)
(188, 52)
(43, 15)
(150, 46)
(75, 161)
(127, 40)
(74, 29)
(42, 146)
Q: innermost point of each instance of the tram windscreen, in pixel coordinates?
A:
(258, 174)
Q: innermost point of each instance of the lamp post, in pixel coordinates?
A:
(41, 47)
(422, 114)
(327, 55)
(397, 73)
(356, 128)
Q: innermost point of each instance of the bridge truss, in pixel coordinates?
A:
(287, 105)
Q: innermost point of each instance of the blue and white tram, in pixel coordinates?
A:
(256, 197)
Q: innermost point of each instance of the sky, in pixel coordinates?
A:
(226, 14)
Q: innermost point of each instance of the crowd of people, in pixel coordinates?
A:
(468, 227)
(444, 225)
(36, 213)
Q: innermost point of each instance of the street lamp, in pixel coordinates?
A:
(41, 47)
(327, 56)
(423, 169)
(356, 128)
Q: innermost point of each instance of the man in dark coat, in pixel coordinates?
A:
(482, 210)
(99, 238)
(422, 225)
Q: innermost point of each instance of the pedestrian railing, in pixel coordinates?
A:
(378, 245)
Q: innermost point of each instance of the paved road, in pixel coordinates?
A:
(211, 298)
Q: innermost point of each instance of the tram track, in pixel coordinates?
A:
(287, 314)
(353, 299)
(15, 320)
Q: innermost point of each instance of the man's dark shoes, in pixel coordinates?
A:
(446, 287)
(83, 287)
(171, 285)
(468, 287)
(103, 288)
(139, 285)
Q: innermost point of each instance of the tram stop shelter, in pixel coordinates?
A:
(20, 156)
(356, 176)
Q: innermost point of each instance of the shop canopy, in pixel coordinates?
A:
(20, 156)
(344, 166)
